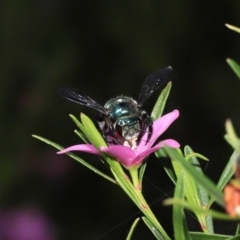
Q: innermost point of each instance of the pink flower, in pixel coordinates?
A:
(127, 156)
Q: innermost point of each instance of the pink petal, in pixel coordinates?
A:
(169, 142)
(82, 148)
(143, 141)
(160, 122)
(160, 126)
(140, 157)
(123, 154)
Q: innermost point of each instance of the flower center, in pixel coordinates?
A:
(132, 143)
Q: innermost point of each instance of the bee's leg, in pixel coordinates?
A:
(101, 123)
(146, 126)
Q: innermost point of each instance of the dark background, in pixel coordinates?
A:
(108, 48)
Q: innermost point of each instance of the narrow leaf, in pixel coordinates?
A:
(226, 174)
(161, 102)
(129, 236)
(195, 208)
(168, 169)
(82, 136)
(170, 174)
(195, 193)
(205, 236)
(232, 136)
(193, 154)
(236, 29)
(76, 121)
(90, 130)
(206, 183)
(177, 167)
(80, 160)
(153, 229)
(179, 221)
(235, 67)
(141, 173)
(234, 238)
(238, 229)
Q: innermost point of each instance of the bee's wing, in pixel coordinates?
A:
(152, 83)
(82, 98)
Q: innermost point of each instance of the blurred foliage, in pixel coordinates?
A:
(108, 48)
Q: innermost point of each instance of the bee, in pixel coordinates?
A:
(122, 120)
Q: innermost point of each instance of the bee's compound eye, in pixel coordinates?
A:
(121, 123)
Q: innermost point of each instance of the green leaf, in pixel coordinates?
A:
(90, 130)
(232, 137)
(204, 236)
(129, 236)
(228, 171)
(195, 193)
(206, 183)
(238, 229)
(171, 174)
(82, 136)
(179, 221)
(235, 67)
(141, 173)
(226, 174)
(80, 160)
(194, 154)
(160, 104)
(195, 208)
(153, 229)
(236, 29)
(234, 238)
(168, 169)
(177, 167)
(160, 153)
(76, 121)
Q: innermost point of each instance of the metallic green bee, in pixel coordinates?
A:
(122, 120)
